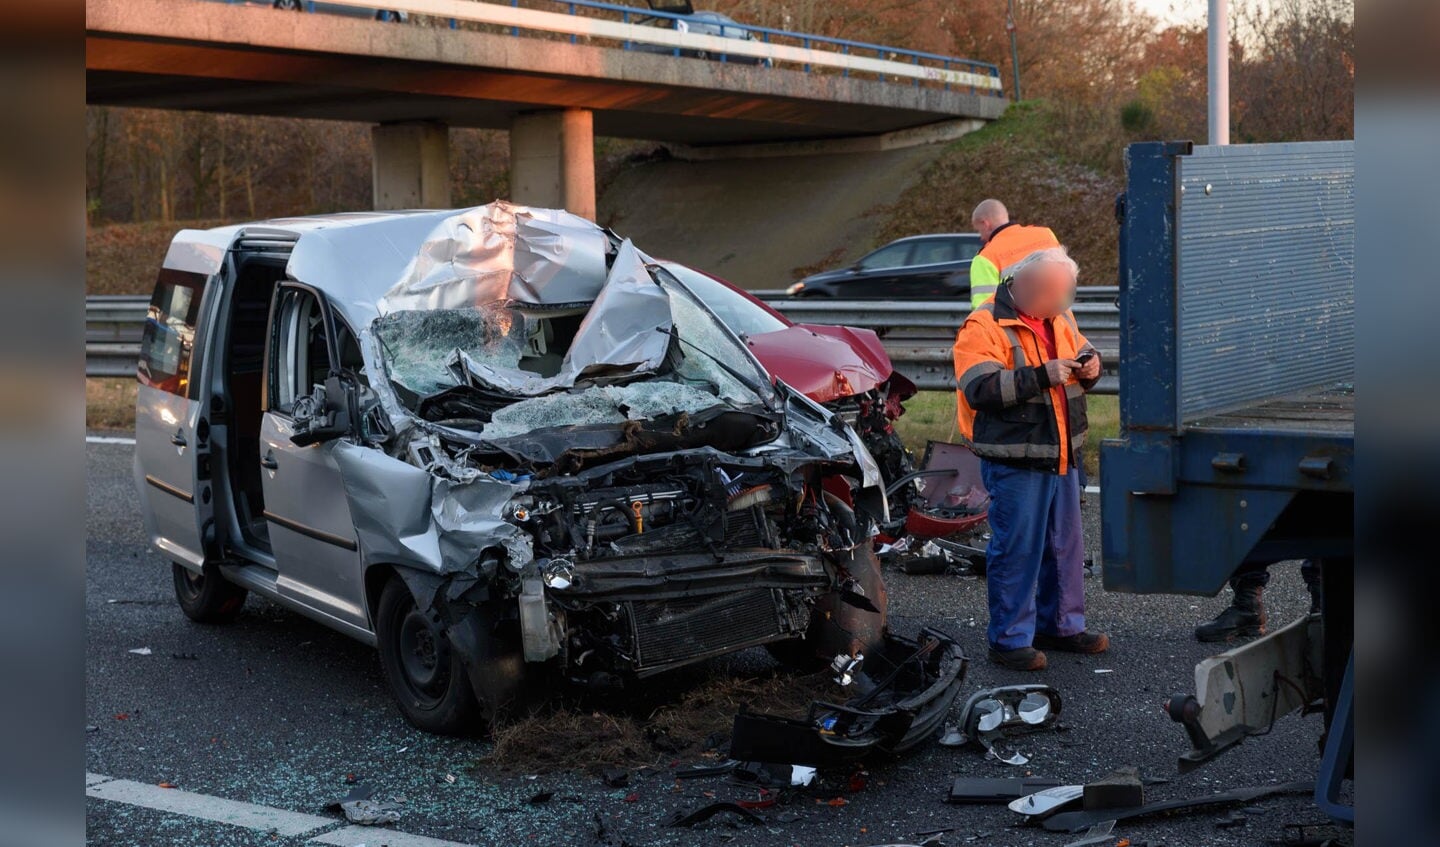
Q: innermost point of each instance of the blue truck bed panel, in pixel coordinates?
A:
(1236, 443)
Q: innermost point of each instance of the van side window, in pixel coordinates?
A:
(299, 358)
(169, 336)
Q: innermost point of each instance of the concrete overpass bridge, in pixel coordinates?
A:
(552, 78)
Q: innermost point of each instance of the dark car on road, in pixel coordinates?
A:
(921, 266)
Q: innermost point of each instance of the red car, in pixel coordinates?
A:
(843, 368)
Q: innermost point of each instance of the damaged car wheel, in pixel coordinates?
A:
(207, 597)
(426, 675)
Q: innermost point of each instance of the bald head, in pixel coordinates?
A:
(989, 216)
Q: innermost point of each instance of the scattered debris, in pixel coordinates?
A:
(705, 813)
(995, 789)
(990, 717)
(141, 651)
(1048, 801)
(167, 785)
(615, 777)
(906, 688)
(1076, 821)
(932, 841)
(360, 808)
(90, 727)
(1120, 789)
(1097, 834)
(1104, 670)
(448, 779)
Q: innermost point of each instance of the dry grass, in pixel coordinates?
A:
(655, 730)
(930, 416)
(124, 258)
(110, 404)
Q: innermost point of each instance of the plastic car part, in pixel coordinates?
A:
(996, 789)
(1076, 821)
(1007, 710)
(906, 689)
(1048, 801)
(1098, 834)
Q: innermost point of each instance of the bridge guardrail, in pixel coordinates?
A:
(917, 335)
(773, 45)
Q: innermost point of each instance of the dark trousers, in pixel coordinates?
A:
(1258, 576)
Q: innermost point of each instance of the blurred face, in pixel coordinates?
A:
(1045, 291)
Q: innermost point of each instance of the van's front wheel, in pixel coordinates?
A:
(207, 597)
(426, 675)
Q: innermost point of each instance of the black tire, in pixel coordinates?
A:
(207, 597)
(289, 5)
(426, 676)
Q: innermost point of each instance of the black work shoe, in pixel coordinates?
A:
(1022, 659)
(1232, 623)
(1080, 642)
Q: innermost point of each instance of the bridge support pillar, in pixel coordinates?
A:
(411, 165)
(552, 160)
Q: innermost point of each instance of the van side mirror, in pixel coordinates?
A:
(326, 413)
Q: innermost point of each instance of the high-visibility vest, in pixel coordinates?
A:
(1007, 245)
(1006, 410)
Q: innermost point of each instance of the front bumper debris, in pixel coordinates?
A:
(906, 689)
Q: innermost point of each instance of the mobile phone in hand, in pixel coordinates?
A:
(1085, 357)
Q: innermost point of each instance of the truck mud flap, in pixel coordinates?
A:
(904, 695)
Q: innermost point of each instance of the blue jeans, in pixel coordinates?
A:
(1035, 564)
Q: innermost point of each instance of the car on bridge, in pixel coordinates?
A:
(704, 23)
(386, 15)
(929, 267)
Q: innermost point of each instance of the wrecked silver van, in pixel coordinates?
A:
(503, 446)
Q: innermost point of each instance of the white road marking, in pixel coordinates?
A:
(205, 807)
(250, 815)
(355, 836)
(109, 439)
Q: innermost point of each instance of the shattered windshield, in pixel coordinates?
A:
(498, 364)
(418, 345)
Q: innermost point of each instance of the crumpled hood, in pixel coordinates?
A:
(826, 363)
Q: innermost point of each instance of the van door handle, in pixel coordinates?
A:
(178, 439)
(269, 460)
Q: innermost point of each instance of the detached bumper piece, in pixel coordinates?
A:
(905, 690)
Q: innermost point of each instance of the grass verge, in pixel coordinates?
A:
(110, 403)
(930, 416)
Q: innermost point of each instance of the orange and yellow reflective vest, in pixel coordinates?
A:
(1007, 409)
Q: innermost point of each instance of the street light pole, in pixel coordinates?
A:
(1219, 74)
(1014, 51)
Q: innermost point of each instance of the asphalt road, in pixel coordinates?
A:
(277, 712)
